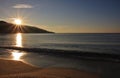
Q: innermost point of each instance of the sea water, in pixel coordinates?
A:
(109, 43)
(98, 43)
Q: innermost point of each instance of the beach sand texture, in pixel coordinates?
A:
(18, 69)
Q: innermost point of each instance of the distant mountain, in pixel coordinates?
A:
(6, 27)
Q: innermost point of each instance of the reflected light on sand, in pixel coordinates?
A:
(16, 55)
(19, 40)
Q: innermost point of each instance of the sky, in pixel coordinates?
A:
(65, 16)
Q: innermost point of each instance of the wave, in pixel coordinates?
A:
(70, 53)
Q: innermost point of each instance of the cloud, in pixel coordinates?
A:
(22, 6)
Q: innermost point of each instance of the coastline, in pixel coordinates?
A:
(15, 69)
(87, 55)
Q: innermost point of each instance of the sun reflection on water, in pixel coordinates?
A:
(18, 40)
(17, 55)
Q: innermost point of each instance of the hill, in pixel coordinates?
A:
(6, 27)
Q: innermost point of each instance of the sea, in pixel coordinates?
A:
(108, 43)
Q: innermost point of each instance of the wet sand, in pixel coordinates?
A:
(18, 69)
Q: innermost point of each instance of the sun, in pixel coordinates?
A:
(18, 21)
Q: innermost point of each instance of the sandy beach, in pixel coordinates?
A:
(19, 69)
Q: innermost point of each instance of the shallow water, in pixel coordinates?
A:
(104, 68)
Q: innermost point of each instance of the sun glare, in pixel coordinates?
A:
(18, 40)
(18, 21)
(16, 55)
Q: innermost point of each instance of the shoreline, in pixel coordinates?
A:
(15, 69)
(70, 53)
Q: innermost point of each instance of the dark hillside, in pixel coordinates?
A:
(11, 28)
